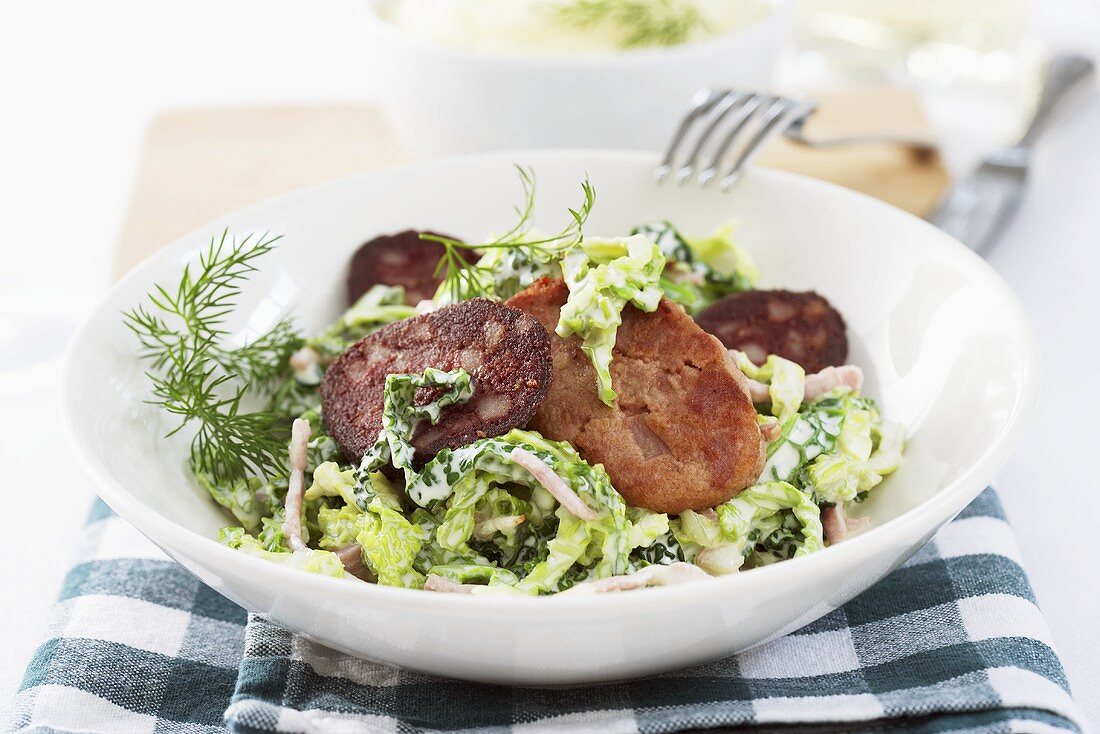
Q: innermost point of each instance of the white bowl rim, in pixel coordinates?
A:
(944, 504)
(621, 58)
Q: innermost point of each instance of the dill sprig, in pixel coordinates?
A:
(642, 22)
(196, 377)
(463, 279)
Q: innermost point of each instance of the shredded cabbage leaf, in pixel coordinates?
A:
(603, 276)
(702, 270)
(379, 306)
(315, 561)
(889, 439)
(722, 261)
(243, 497)
(741, 516)
(646, 527)
(786, 381)
(400, 414)
(763, 521)
(834, 447)
(461, 480)
(505, 271)
(390, 544)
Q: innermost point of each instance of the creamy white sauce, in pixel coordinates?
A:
(534, 27)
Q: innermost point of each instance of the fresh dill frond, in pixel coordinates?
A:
(198, 307)
(463, 280)
(198, 378)
(641, 23)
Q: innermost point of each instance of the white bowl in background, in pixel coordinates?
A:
(443, 100)
(946, 347)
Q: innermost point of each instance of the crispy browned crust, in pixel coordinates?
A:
(682, 434)
(802, 327)
(396, 259)
(505, 351)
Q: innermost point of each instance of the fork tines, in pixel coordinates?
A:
(720, 122)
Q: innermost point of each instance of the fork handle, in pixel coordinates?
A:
(1063, 74)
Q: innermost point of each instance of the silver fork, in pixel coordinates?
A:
(722, 120)
(977, 208)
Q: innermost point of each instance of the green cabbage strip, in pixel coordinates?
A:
(646, 527)
(352, 487)
(498, 516)
(339, 526)
(834, 447)
(837, 478)
(805, 437)
(744, 514)
(461, 478)
(314, 561)
(867, 449)
(786, 382)
(389, 542)
(400, 414)
(508, 270)
(840, 476)
(603, 276)
(771, 518)
(890, 443)
(695, 532)
(672, 244)
(321, 446)
(700, 271)
(470, 573)
(722, 261)
(330, 481)
(564, 551)
(379, 306)
(242, 497)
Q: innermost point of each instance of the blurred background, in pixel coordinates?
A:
(81, 84)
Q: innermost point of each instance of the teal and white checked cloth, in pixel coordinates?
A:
(951, 642)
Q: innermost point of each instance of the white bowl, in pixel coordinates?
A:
(443, 100)
(946, 346)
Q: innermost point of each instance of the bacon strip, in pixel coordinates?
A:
(351, 555)
(446, 586)
(758, 392)
(305, 362)
(292, 524)
(817, 383)
(771, 430)
(838, 526)
(553, 483)
(831, 378)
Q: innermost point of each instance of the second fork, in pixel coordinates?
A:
(736, 119)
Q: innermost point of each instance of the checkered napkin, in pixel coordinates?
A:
(951, 642)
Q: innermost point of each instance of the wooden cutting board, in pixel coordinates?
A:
(201, 163)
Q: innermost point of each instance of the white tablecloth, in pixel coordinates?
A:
(87, 77)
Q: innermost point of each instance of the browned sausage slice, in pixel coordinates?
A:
(801, 327)
(505, 351)
(397, 259)
(682, 434)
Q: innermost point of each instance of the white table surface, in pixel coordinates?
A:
(87, 79)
